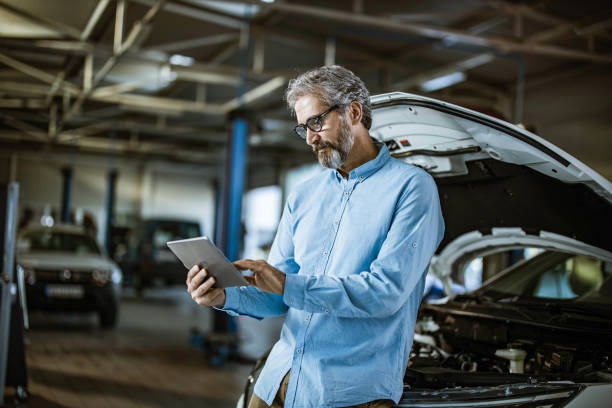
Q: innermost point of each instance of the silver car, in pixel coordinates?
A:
(65, 269)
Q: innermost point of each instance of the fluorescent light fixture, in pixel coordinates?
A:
(442, 82)
(267, 1)
(183, 60)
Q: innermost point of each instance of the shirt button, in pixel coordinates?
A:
(414, 244)
(307, 318)
(324, 252)
(336, 222)
(291, 302)
(299, 351)
(326, 311)
(360, 177)
(346, 194)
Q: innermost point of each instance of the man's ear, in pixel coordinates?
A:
(355, 113)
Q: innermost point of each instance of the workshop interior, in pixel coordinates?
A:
(128, 124)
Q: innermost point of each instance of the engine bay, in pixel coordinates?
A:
(465, 351)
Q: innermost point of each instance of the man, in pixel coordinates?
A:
(348, 263)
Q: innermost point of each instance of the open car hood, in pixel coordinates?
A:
(492, 174)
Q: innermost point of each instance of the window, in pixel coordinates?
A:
(62, 242)
(556, 275)
(571, 278)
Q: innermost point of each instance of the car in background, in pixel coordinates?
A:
(65, 269)
(539, 334)
(153, 260)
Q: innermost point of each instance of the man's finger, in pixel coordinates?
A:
(192, 272)
(203, 288)
(198, 279)
(251, 280)
(210, 298)
(244, 264)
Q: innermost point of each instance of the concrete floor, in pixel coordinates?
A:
(147, 361)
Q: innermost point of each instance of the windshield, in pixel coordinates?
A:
(557, 276)
(47, 240)
(164, 231)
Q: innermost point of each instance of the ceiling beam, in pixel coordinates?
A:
(198, 13)
(595, 28)
(76, 46)
(105, 145)
(255, 94)
(81, 46)
(203, 77)
(459, 66)
(528, 12)
(159, 104)
(47, 22)
(93, 19)
(138, 29)
(112, 94)
(119, 20)
(22, 103)
(33, 71)
(433, 32)
(177, 46)
(26, 128)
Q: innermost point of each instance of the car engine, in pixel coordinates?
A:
(453, 350)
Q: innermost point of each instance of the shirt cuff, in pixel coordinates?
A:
(232, 301)
(295, 289)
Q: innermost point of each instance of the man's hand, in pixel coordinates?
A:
(266, 278)
(203, 293)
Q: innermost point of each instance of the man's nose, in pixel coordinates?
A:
(312, 137)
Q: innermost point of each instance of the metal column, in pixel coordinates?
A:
(235, 170)
(229, 225)
(66, 194)
(110, 206)
(229, 207)
(8, 225)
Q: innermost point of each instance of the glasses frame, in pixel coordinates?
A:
(314, 123)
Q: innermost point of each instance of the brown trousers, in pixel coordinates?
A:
(279, 400)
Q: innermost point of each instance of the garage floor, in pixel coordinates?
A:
(147, 361)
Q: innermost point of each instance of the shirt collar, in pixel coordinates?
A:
(370, 167)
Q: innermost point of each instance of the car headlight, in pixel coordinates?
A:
(101, 276)
(116, 277)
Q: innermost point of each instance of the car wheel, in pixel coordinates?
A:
(108, 317)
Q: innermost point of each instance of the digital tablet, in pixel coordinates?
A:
(201, 251)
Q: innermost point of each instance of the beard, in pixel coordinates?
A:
(336, 153)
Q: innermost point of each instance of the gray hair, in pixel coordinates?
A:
(333, 85)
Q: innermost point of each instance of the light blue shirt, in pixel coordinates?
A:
(355, 252)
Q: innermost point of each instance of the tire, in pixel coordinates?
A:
(108, 316)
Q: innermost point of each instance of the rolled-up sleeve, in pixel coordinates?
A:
(415, 232)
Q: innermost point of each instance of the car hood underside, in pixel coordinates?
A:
(491, 174)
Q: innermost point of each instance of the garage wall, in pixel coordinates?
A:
(154, 189)
(179, 192)
(571, 112)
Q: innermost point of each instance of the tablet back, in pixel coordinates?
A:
(201, 251)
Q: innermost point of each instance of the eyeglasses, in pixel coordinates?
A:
(313, 123)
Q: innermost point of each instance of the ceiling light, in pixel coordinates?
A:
(442, 82)
(183, 60)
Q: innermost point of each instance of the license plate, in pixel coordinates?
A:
(65, 291)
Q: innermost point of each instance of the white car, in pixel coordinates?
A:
(540, 333)
(67, 270)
